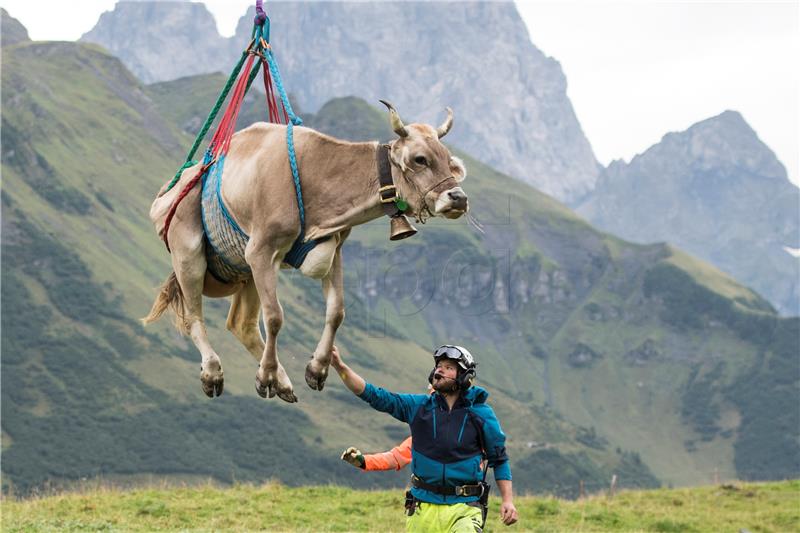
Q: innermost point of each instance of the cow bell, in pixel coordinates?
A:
(401, 228)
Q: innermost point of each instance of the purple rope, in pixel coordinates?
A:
(260, 17)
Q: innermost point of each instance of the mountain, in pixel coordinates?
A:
(600, 356)
(12, 31)
(163, 40)
(716, 191)
(509, 98)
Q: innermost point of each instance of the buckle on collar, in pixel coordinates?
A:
(388, 194)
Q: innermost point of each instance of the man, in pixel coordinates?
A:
(450, 429)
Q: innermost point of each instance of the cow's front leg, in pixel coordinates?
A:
(333, 289)
(271, 378)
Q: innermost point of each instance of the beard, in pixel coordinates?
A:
(445, 386)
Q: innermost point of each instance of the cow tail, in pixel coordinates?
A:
(169, 295)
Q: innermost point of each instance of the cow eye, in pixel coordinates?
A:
(420, 160)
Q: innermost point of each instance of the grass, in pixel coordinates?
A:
(709, 276)
(757, 507)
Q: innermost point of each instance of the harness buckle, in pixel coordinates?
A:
(465, 490)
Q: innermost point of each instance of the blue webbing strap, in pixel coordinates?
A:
(300, 248)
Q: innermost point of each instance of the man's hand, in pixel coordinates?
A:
(354, 457)
(336, 359)
(508, 513)
(351, 380)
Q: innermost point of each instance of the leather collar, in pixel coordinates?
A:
(386, 188)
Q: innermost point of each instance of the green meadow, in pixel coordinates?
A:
(755, 507)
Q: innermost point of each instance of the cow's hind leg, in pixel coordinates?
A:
(190, 269)
(243, 319)
(333, 290)
(271, 378)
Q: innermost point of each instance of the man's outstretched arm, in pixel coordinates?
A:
(352, 381)
(400, 406)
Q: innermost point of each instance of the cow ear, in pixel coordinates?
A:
(400, 156)
(457, 168)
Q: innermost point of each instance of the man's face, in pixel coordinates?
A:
(444, 378)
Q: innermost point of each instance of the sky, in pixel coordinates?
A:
(635, 70)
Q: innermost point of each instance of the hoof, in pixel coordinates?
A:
(271, 387)
(287, 396)
(212, 379)
(316, 375)
(262, 389)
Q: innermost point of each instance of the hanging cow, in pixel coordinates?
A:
(344, 184)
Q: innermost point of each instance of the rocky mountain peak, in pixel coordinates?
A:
(723, 143)
(715, 190)
(12, 30)
(162, 40)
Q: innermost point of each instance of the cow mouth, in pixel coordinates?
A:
(452, 212)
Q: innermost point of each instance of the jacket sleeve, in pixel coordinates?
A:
(495, 443)
(401, 406)
(395, 459)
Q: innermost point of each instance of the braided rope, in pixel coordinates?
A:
(295, 175)
(276, 77)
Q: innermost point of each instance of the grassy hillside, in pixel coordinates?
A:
(601, 357)
(762, 507)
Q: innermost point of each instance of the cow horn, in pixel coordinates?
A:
(397, 124)
(448, 123)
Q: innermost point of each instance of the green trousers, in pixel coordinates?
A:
(455, 518)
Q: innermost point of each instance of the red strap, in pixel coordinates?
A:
(178, 200)
(222, 137)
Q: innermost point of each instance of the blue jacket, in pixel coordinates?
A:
(447, 445)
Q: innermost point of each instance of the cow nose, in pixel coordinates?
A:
(458, 199)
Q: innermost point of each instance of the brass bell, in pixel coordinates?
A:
(401, 228)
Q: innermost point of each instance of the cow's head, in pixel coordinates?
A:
(426, 174)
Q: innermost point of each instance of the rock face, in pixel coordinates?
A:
(716, 191)
(12, 30)
(163, 40)
(510, 101)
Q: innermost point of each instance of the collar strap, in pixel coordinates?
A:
(386, 189)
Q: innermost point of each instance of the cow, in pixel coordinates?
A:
(340, 186)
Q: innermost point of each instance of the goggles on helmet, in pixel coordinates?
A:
(456, 353)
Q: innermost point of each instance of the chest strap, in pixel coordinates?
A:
(462, 490)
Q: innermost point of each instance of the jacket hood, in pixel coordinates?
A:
(476, 394)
